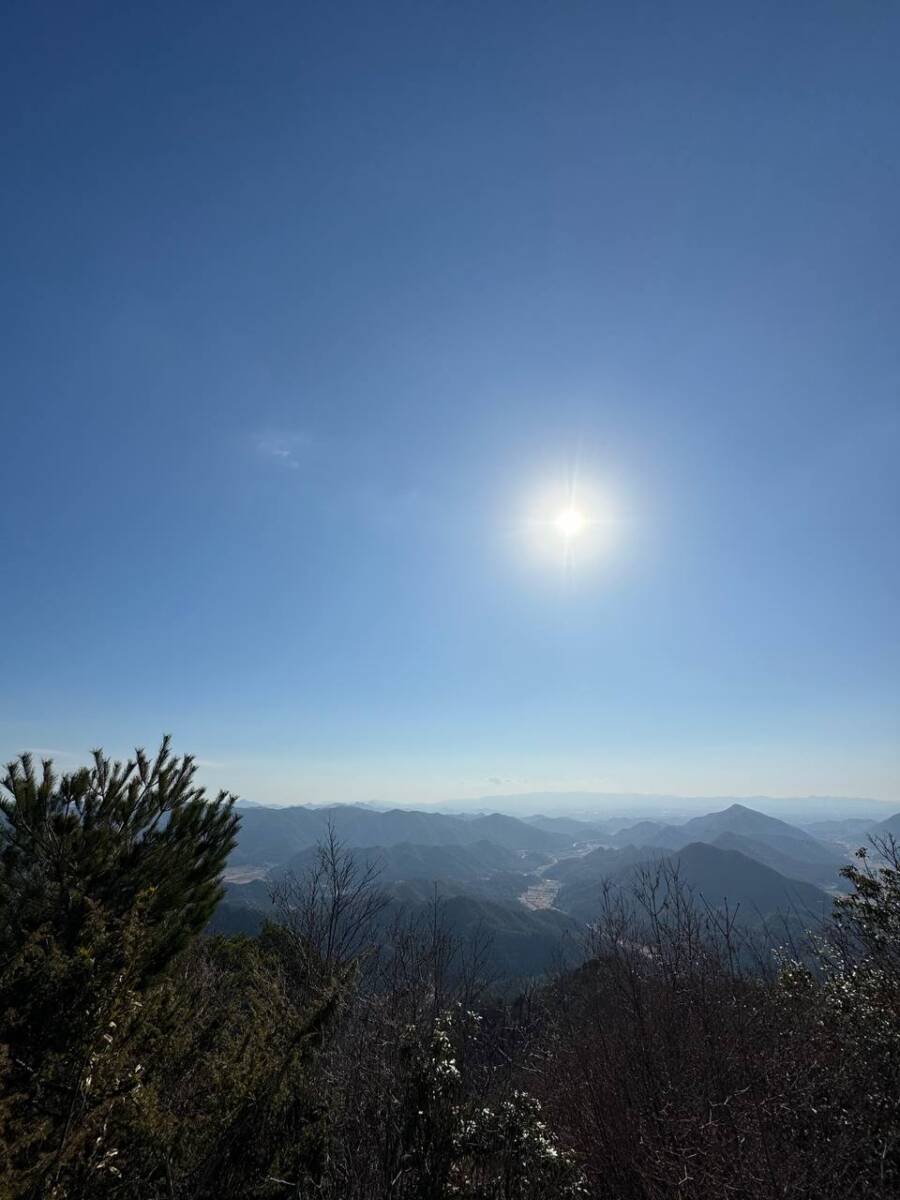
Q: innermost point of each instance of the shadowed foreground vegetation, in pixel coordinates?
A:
(350, 1051)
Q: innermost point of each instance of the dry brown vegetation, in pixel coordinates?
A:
(343, 1054)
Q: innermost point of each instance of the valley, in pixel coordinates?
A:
(542, 893)
(507, 876)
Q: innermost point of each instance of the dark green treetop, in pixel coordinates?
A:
(107, 836)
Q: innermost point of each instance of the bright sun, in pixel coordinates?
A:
(570, 523)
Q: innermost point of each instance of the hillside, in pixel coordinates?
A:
(758, 864)
(716, 876)
(738, 820)
(381, 1025)
(599, 863)
(521, 942)
(271, 836)
(648, 833)
(825, 875)
(406, 861)
(890, 827)
(577, 830)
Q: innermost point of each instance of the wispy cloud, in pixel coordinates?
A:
(283, 449)
(50, 752)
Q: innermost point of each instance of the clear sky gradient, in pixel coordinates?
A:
(310, 310)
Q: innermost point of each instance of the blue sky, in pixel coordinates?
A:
(310, 309)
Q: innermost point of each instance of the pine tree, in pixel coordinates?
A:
(106, 874)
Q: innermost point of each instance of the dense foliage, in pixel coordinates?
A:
(350, 1051)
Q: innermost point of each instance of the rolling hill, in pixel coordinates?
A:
(408, 861)
(822, 874)
(571, 827)
(890, 827)
(522, 942)
(270, 836)
(716, 876)
(739, 821)
(480, 865)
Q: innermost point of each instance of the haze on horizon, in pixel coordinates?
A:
(419, 402)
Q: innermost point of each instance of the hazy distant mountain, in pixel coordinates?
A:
(481, 865)
(527, 804)
(738, 818)
(778, 836)
(891, 826)
(522, 942)
(270, 836)
(579, 831)
(853, 829)
(406, 861)
(516, 834)
(823, 874)
(602, 863)
(666, 808)
(717, 876)
(646, 833)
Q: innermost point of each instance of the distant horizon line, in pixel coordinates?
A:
(488, 801)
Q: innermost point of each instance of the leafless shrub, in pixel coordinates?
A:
(331, 912)
(678, 1067)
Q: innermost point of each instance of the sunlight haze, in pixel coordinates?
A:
(315, 319)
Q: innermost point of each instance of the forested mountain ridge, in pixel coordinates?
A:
(825, 874)
(407, 860)
(890, 827)
(755, 878)
(719, 878)
(361, 1046)
(270, 836)
(777, 839)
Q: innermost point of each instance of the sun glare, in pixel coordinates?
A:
(570, 523)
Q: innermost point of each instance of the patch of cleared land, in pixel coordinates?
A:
(540, 894)
(244, 874)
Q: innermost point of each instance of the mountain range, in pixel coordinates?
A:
(718, 878)
(270, 836)
(786, 848)
(529, 883)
